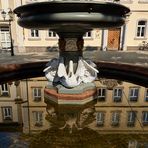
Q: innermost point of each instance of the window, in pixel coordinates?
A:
(141, 29)
(143, 1)
(31, 1)
(131, 118)
(126, 1)
(52, 34)
(101, 94)
(88, 34)
(117, 94)
(7, 113)
(146, 95)
(34, 33)
(5, 38)
(100, 118)
(145, 118)
(4, 90)
(38, 118)
(115, 119)
(37, 94)
(133, 94)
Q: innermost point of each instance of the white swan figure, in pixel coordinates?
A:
(85, 72)
(68, 80)
(50, 71)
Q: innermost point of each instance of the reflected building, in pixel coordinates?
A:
(34, 108)
(119, 107)
(10, 105)
(122, 107)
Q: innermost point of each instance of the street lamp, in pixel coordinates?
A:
(10, 14)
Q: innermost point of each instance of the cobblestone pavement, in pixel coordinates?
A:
(137, 58)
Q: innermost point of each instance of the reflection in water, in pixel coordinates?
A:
(71, 117)
(119, 107)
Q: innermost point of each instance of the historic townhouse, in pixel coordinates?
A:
(10, 107)
(128, 37)
(34, 108)
(120, 107)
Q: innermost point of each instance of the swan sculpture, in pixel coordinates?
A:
(71, 20)
(56, 72)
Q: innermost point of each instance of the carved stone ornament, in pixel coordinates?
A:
(69, 118)
(110, 83)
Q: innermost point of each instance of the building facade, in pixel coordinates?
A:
(128, 37)
(120, 107)
(34, 108)
(10, 107)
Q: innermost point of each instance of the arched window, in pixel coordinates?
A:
(141, 28)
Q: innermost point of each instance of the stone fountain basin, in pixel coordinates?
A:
(61, 16)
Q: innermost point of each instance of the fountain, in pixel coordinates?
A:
(71, 76)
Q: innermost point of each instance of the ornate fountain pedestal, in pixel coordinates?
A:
(71, 20)
(81, 94)
(68, 126)
(71, 76)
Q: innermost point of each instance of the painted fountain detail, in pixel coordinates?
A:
(56, 72)
(71, 117)
(71, 76)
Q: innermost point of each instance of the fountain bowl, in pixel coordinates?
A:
(71, 16)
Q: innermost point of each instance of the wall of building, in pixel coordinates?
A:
(8, 101)
(23, 42)
(33, 105)
(108, 107)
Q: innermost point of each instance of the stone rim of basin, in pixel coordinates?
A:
(80, 16)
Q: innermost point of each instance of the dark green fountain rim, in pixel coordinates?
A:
(73, 6)
(71, 19)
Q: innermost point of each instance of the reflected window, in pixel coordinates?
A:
(100, 116)
(115, 118)
(131, 118)
(38, 118)
(117, 95)
(52, 34)
(146, 95)
(141, 28)
(5, 38)
(145, 118)
(133, 94)
(31, 1)
(34, 33)
(88, 34)
(4, 90)
(7, 113)
(37, 94)
(101, 94)
(143, 1)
